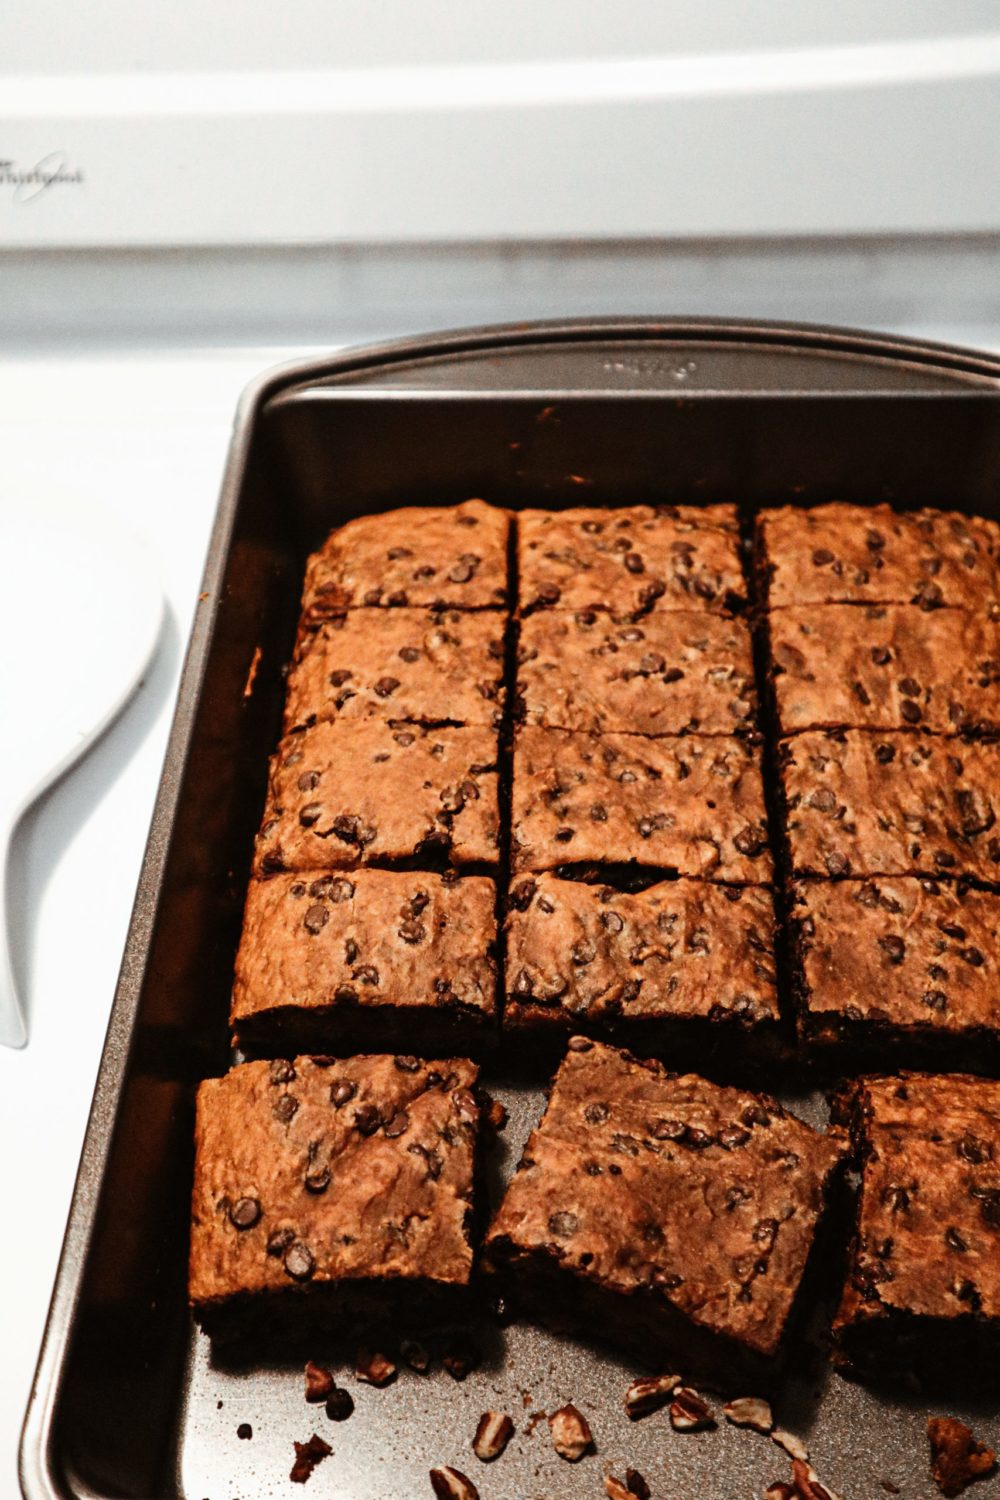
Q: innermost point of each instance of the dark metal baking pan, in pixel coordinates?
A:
(127, 1401)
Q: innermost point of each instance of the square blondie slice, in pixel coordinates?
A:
(899, 965)
(693, 805)
(356, 791)
(680, 961)
(420, 555)
(345, 962)
(893, 803)
(331, 1192)
(423, 666)
(630, 560)
(885, 666)
(663, 1211)
(923, 1285)
(871, 554)
(669, 673)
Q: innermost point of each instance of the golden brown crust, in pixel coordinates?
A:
(430, 666)
(423, 556)
(368, 938)
(694, 804)
(320, 1174)
(681, 949)
(885, 667)
(900, 953)
(870, 554)
(630, 559)
(668, 673)
(928, 1242)
(640, 1181)
(345, 793)
(863, 803)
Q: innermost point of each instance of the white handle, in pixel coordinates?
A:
(13, 1024)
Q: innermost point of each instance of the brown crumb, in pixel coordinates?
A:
(374, 1368)
(244, 1431)
(252, 673)
(956, 1456)
(307, 1456)
(319, 1382)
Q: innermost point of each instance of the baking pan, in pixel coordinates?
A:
(128, 1401)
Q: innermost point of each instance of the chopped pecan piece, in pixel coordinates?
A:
(649, 1393)
(452, 1484)
(374, 1368)
(571, 1434)
(319, 1382)
(749, 1411)
(688, 1412)
(494, 1432)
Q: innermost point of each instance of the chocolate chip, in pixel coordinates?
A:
(885, 753)
(750, 841)
(634, 562)
(407, 1064)
(837, 863)
(285, 1108)
(733, 1137)
(244, 1213)
(315, 919)
(973, 1150)
(279, 1240)
(564, 835)
(893, 947)
(935, 1000)
(668, 1130)
(596, 1113)
(822, 556)
(386, 686)
(339, 1404)
(412, 932)
(367, 1119)
(309, 780)
(342, 1092)
(310, 814)
(521, 895)
(598, 813)
(281, 1071)
(954, 1240)
(563, 1225)
(398, 1125)
(298, 1261)
(881, 655)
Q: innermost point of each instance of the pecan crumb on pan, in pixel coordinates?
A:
(458, 1362)
(689, 1412)
(804, 1485)
(339, 1404)
(793, 1446)
(571, 1434)
(493, 1433)
(307, 1456)
(319, 1382)
(374, 1368)
(633, 1487)
(452, 1484)
(749, 1411)
(649, 1393)
(957, 1458)
(416, 1355)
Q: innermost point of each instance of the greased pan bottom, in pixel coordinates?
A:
(126, 1401)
